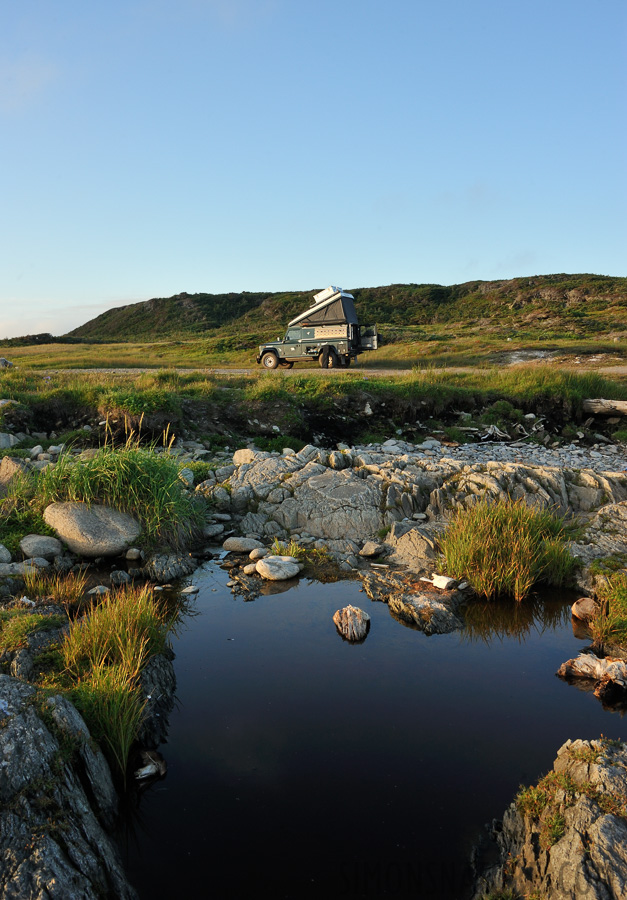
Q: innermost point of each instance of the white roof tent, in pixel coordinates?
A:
(332, 306)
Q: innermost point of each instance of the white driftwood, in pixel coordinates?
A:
(601, 407)
(352, 623)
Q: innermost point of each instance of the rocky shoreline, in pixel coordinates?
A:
(377, 510)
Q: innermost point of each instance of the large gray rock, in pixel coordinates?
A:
(5, 556)
(92, 530)
(589, 859)
(5, 363)
(412, 546)
(333, 504)
(42, 545)
(52, 842)
(7, 440)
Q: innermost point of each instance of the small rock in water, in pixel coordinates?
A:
(352, 623)
(190, 589)
(250, 569)
(585, 609)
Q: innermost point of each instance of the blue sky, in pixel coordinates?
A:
(150, 147)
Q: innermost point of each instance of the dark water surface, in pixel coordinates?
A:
(303, 766)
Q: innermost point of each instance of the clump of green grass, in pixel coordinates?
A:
(132, 478)
(103, 655)
(318, 563)
(67, 590)
(17, 624)
(610, 626)
(277, 443)
(125, 629)
(19, 514)
(545, 802)
(504, 548)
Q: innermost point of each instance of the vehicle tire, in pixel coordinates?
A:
(286, 365)
(269, 361)
(333, 359)
(323, 359)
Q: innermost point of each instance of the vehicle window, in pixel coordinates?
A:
(293, 334)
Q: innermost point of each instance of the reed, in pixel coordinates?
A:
(610, 626)
(505, 547)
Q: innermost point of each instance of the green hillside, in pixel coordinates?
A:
(579, 305)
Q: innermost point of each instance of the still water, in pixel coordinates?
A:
(302, 766)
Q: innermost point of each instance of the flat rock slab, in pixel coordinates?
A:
(92, 530)
(42, 545)
(352, 623)
(278, 568)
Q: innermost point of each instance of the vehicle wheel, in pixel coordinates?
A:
(323, 359)
(286, 365)
(333, 359)
(269, 361)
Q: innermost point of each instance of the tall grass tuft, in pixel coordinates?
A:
(610, 626)
(103, 654)
(504, 548)
(67, 591)
(132, 478)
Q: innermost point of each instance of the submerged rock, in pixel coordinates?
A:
(352, 623)
(426, 611)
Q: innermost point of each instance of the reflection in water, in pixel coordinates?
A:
(308, 767)
(499, 619)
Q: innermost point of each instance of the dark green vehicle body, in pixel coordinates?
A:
(327, 333)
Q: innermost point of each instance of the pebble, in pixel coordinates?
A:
(608, 458)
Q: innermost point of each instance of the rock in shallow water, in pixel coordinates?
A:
(278, 568)
(352, 623)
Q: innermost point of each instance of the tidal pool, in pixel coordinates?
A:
(302, 766)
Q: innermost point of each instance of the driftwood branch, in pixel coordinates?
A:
(605, 407)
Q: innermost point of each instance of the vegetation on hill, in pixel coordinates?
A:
(565, 304)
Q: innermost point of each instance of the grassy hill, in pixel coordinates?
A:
(581, 306)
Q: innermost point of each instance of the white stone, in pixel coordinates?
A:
(278, 568)
(443, 582)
